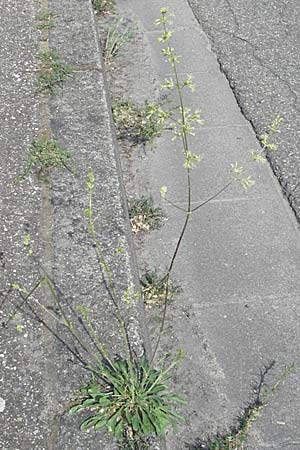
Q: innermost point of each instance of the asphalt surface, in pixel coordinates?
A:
(257, 46)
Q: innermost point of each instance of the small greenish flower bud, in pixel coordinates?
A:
(168, 85)
(247, 182)
(258, 158)
(163, 191)
(27, 240)
(235, 168)
(264, 139)
(129, 294)
(189, 83)
(166, 36)
(272, 147)
(274, 125)
(91, 181)
(191, 160)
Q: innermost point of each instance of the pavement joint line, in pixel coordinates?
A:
(180, 28)
(191, 72)
(254, 302)
(216, 127)
(224, 200)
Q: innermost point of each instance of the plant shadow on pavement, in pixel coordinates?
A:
(235, 438)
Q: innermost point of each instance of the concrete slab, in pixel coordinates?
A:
(182, 15)
(190, 56)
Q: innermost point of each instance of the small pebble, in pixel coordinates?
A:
(2, 404)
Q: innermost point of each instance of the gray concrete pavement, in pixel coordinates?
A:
(238, 268)
(239, 264)
(257, 46)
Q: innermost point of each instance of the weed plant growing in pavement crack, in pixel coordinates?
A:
(45, 19)
(53, 72)
(182, 126)
(144, 215)
(236, 437)
(129, 394)
(153, 287)
(136, 123)
(43, 156)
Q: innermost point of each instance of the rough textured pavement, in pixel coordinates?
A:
(257, 46)
(239, 264)
(238, 269)
(38, 374)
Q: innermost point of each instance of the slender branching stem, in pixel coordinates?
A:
(108, 274)
(67, 322)
(99, 346)
(174, 204)
(184, 137)
(214, 196)
(25, 299)
(185, 130)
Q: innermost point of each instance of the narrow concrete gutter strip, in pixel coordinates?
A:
(46, 374)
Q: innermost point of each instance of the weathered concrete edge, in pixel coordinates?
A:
(90, 67)
(123, 196)
(91, 64)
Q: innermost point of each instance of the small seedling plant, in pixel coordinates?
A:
(144, 215)
(43, 156)
(53, 72)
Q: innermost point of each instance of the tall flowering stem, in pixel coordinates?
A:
(182, 127)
